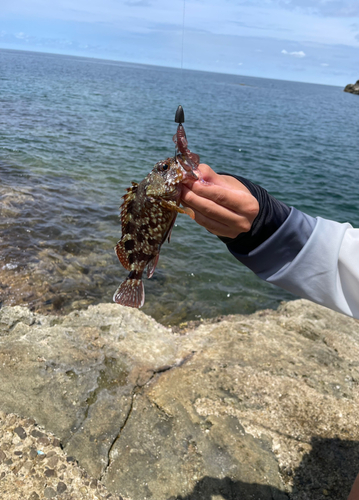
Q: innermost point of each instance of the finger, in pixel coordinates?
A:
(226, 181)
(206, 174)
(209, 214)
(238, 201)
(215, 227)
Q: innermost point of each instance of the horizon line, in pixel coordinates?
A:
(160, 66)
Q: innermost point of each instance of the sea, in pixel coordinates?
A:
(74, 133)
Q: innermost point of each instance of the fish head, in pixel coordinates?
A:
(172, 171)
(165, 178)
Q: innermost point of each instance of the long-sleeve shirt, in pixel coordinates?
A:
(313, 258)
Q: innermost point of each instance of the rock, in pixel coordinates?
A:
(50, 473)
(27, 477)
(20, 432)
(61, 488)
(49, 492)
(262, 406)
(352, 88)
(34, 496)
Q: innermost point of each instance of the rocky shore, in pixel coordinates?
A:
(107, 403)
(352, 88)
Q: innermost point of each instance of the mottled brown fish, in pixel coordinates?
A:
(148, 214)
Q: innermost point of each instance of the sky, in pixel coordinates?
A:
(313, 41)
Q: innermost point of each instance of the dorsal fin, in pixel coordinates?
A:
(127, 198)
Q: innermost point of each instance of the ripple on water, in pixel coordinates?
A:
(73, 137)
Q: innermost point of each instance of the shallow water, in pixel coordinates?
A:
(75, 132)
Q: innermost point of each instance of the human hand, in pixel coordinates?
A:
(221, 204)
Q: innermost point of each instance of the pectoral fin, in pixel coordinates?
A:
(171, 205)
(188, 211)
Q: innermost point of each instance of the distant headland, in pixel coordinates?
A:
(353, 88)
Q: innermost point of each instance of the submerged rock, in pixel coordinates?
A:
(250, 407)
(352, 88)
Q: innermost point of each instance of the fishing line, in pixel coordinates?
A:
(183, 24)
(180, 90)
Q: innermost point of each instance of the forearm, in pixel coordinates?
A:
(313, 258)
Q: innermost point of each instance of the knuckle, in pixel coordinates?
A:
(233, 233)
(254, 210)
(219, 198)
(246, 226)
(187, 195)
(207, 211)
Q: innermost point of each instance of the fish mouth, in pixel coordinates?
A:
(186, 169)
(190, 175)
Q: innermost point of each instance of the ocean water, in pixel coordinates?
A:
(74, 133)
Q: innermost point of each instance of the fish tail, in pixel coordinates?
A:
(131, 292)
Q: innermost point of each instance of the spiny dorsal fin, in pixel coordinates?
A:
(127, 198)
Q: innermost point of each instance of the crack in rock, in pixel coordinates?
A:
(133, 395)
(135, 391)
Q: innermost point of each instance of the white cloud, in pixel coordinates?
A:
(324, 64)
(326, 8)
(299, 54)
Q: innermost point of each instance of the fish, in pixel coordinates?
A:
(148, 214)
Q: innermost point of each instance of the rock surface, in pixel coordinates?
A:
(33, 466)
(352, 88)
(249, 407)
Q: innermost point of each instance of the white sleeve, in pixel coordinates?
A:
(326, 270)
(316, 259)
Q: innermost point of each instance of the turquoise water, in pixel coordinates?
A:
(75, 132)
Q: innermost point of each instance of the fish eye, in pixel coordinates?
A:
(165, 167)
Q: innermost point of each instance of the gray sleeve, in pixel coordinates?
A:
(317, 259)
(282, 247)
(326, 270)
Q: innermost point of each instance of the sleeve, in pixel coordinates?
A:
(316, 259)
